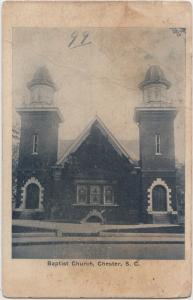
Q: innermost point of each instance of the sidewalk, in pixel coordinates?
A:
(89, 233)
(89, 228)
(130, 239)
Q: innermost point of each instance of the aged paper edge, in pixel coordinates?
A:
(32, 278)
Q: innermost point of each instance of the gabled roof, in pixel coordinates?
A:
(82, 137)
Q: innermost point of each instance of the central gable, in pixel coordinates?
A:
(98, 143)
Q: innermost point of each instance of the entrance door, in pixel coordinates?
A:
(159, 196)
(32, 196)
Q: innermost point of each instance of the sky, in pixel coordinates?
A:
(100, 78)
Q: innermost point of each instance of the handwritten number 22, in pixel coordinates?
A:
(83, 41)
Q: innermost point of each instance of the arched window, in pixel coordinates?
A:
(159, 197)
(32, 196)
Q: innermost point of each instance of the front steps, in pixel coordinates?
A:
(160, 218)
(28, 214)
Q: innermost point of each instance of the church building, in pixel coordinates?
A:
(95, 179)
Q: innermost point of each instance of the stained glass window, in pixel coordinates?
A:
(95, 194)
(82, 193)
(108, 194)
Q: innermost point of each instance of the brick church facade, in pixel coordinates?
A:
(95, 179)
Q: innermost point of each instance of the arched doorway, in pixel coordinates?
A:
(94, 216)
(94, 219)
(159, 198)
(32, 196)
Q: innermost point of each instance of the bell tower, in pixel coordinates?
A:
(40, 120)
(155, 119)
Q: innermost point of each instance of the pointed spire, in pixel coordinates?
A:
(42, 88)
(154, 75)
(154, 87)
(41, 77)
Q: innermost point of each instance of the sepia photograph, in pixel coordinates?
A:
(97, 149)
(98, 143)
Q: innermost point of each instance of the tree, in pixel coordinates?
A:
(15, 156)
(180, 188)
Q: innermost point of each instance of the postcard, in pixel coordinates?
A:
(97, 149)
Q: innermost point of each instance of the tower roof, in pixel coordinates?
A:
(154, 75)
(41, 77)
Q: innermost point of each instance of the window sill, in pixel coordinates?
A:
(158, 154)
(29, 209)
(161, 212)
(34, 153)
(90, 205)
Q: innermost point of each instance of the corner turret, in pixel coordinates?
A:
(155, 119)
(154, 87)
(40, 121)
(42, 88)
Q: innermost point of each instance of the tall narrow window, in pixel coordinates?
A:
(157, 144)
(95, 194)
(108, 194)
(35, 144)
(82, 194)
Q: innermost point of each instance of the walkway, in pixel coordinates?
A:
(82, 228)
